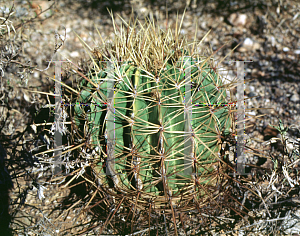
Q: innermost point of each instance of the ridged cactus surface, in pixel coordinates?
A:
(156, 129)
(155, 135)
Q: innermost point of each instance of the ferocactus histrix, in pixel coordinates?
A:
(156, 111)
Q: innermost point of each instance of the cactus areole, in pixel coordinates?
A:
(155, 131)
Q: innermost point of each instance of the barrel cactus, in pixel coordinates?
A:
(154, 111)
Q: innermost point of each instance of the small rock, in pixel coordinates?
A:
(295, 97)
(252, 88)
(26, 97)
(186, 24)
(278, 92)
(297, 51)
(85, 22)
(286, 49)
(248, 42)
(143, 11)
(251, 113)
(255, 72)
(183, 31)
(21, 12)
(251, 94)
(273, 41)
(267, 110)
(34, 128)
(249, 45)
(4, 10)
(36, 74)
(203, 25)
(238, 20)
(68, 30)
(74, 54)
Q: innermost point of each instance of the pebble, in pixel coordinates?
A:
(252, 88)
(278, 92)
(21, 12)
(251, 113)
(286, 49)
(26, 97)
(183, 31)
(238, 20)
(273, 41)
(68, 30)
(143, 11)
(36, 74)
(249, 45)
(74, 54)
(251, 94)
(203, 25)
(4, 10)
(295, 97)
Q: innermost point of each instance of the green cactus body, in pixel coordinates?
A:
(150, 125)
